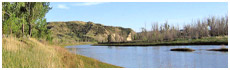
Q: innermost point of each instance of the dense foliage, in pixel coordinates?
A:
(25, 19)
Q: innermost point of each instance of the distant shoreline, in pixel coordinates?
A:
(162, 44)
(202, 41)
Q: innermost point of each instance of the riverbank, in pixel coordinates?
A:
(219, 40)
(31, 53)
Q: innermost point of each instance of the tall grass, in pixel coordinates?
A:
(30, 53)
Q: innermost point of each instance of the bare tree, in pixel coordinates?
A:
(209, 27)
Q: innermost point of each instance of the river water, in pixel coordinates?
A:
(155, 56)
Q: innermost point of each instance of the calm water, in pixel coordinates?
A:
(155, 56)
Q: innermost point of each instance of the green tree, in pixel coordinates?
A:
(25, 18)
(35, 12)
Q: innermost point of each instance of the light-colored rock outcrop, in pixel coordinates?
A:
(129, 38)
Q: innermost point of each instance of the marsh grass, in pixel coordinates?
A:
(31, 53)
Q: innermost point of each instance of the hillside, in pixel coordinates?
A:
(79, 31)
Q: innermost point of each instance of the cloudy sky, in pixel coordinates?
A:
(135, 14)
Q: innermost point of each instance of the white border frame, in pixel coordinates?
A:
(110, 1)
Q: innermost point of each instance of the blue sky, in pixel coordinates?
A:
(135, 14)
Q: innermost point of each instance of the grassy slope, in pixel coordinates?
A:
(30, 53)
(219, 40)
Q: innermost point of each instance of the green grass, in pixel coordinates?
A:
(218, 40)
(30, 53)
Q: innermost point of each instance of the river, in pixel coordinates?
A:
(155, 56)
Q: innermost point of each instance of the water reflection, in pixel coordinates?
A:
(155, 56)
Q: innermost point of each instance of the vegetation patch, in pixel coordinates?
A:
(221, 50)
(182, 49)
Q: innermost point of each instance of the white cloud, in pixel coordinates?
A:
(62, 6)
(88, 3)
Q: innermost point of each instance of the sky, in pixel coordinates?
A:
(136, 14)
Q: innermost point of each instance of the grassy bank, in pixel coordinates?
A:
(31, 53)
(63, 45)
(219, 40)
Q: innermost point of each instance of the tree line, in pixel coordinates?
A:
(211, 26)
(25, 19)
